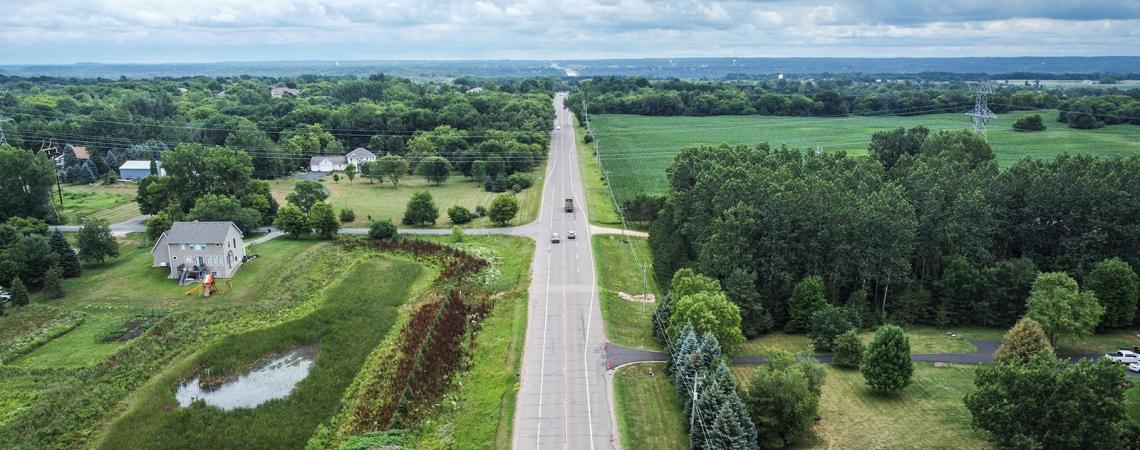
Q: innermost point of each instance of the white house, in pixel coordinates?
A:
(360, 156)
(327, 163)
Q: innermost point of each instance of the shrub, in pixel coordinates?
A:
(848, 350)
(1022, 342)
(1029, 123)
(421, 209)
(887, 365)
(347, 215)
(520, 179)
(503, 209)
(382, 229)
(480, 211)
(457, 234)
(459, 215)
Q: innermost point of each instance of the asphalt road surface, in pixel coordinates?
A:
(562, 401)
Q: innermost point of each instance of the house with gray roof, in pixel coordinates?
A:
(360, 156)
(196, 249)
(327, 163)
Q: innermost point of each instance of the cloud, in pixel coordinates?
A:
(64, 31)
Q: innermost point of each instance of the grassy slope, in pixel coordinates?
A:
(648, 411)
(113, 203)
(627, 323)
(383, 201)
(929, 413)
(347, 324)
(484, 413)
(637, 149)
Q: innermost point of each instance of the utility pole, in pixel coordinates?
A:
(695, 411)
(980, 116)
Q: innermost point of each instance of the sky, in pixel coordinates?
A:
(156, 31)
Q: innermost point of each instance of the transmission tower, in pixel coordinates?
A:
(980, 116)
(2, 120)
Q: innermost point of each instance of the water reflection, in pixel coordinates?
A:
(272, 379)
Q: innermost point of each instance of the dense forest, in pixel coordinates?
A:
(927, 230)
(833, 97)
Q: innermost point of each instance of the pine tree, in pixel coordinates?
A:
(19, 292)
(68, 260)
(1022, 342)
(732, 427)
(53, 283)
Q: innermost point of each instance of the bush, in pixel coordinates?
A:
(887, 365)
(420, 210)
(503, 209)
(520, 179)
(589, 139)
(382, 229)
(1029, 123)
(848, 350)
(347, 215)
(480, 211)
(459, 215)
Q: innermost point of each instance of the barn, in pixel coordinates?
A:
(137, 170)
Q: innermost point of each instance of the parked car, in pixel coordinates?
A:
(1123, 356)
(554, 239)
(5, 296)
(570, 235)
(1135, 367)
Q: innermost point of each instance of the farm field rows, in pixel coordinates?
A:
(637, 149)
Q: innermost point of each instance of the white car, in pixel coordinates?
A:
(1123, 356)
(5, 296)
(554, 238)
(1135, 367)
(570, 235)
(558, 128)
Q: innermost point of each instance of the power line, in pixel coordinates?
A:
(980, 116)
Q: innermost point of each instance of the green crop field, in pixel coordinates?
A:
(637, 149)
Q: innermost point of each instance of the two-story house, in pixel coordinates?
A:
(198, 248)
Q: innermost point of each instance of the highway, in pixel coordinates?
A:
(563, 401)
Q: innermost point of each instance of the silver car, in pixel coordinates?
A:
(554, 239)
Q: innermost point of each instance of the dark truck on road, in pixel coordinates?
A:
(569, 205)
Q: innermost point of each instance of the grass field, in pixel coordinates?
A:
(627, 323)
(113, 203)
(383, 201)
(79, 347)
(346, 325)
(923, 339)
(928, 414)
(648, 411)
(637, 149)
(597, 195)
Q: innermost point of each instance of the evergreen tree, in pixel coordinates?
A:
(53, 283)
(887, 365)
(807, 298)
(960, 293)
(732, 428)
(740, 287)
(661, 318)
(1025, 340)
(68, 260)
(19, 292)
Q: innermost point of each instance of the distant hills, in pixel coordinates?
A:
(686, 68)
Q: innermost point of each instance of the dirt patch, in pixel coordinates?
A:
(643, 298)
(132, 329)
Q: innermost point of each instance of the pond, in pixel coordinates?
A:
(270, 380)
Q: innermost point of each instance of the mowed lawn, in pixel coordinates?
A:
(113, 203)
(923, 339)
(928, 414)
(80, 347)
(627, 323)
(384, 201)
(637, 149)
(648, 411)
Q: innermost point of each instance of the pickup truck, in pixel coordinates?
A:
(569, 206)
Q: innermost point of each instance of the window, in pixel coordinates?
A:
(182, 247)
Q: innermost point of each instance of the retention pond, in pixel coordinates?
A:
(270, 380)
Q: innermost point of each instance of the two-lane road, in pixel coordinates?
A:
(563, 402)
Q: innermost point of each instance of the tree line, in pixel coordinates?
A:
(925, 230)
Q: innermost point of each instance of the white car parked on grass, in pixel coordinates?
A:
(1123, 356)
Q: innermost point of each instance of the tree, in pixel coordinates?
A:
(292, 221)
(807, 298)
(1029, 123)
(741, 289)
(887, 365)
(350, 172)
(25, 188)
(96, 242)
(392, 167)
(708, 312)
(961, 291)
(420, 210)
(435, 169)
(1063, 311)
(781, 403)
(479, 170)
(382, 230)
(459, 215)
(68, 260)
(1116, 287)
(19, 292)
(848, 349)
(827, 324)
(346, 215)
(889, 146)
(1050, 404)
(323, 220)
(221, 208)
(306, 193)
(1022, 342)
(687, 282)
(371, 171)
(53, 283)
(336, 177)
(503, 209)
(33, 257)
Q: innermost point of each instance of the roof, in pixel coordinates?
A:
(332, 159)
(199, 232)
(80, 152)
(474, 90)
(361, 152)
(278, 91)
(136, 164)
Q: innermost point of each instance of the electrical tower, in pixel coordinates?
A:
(980, 116)
(2, 120)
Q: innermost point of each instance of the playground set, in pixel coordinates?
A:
(204, 282)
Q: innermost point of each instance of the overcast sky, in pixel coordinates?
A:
(67, 31)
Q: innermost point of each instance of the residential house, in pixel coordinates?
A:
(138, 169)
(360, 156)
(195, 249)
(280, 91)
(327, 163)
